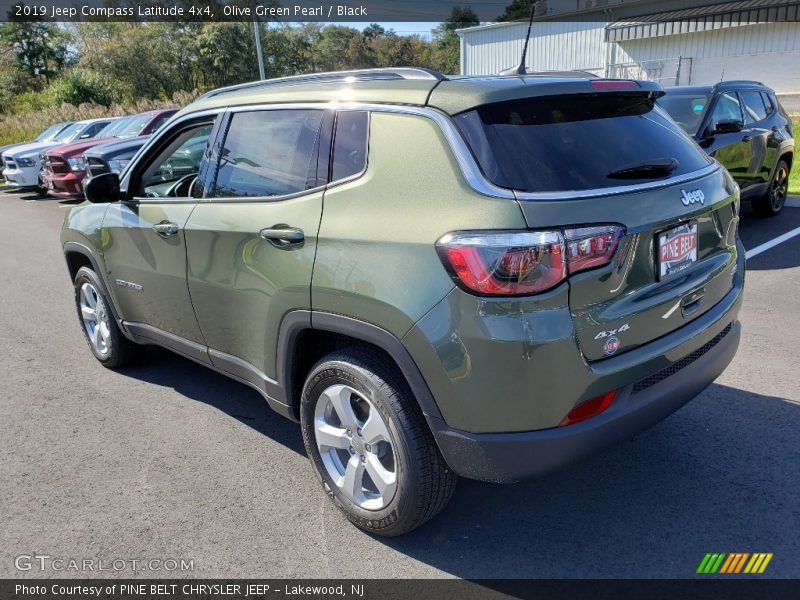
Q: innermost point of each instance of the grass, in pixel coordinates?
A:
(19, 128)
(794, 176)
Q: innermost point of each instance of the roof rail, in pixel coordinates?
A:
(336, 77)
(738, 82)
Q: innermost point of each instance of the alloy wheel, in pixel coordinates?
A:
(95, 318)
(780, 185)
(356, 447)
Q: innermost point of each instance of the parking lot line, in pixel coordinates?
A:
(772, 243)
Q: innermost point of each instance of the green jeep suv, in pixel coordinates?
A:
(437, 277)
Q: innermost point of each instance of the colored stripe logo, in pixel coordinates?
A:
(734, 562)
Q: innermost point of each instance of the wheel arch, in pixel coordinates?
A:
(77, 255)
(788, 157)
(305, 336)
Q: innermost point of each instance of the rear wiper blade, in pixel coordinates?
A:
(652, 169)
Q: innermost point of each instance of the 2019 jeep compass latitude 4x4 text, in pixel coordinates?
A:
(477, 277)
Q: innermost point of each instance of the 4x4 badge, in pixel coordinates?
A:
(692, 196)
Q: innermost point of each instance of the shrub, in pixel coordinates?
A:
(80, 86)
(26, 126)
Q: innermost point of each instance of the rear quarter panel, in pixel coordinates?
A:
(376, 258)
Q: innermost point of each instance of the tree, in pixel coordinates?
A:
(446, 42)
(40, 49)
(226, 54)
(521, 9)
(336, 48)
(141, 58)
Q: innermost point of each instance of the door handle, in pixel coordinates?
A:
(747, 138)
(165, 229)
(282, 235)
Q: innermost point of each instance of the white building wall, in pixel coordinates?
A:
(554, 45)
(766, 52)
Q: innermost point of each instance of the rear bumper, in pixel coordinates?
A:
(510, 457)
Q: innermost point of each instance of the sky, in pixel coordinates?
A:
(400, 27)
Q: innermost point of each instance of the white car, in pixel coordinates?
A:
(23, 163)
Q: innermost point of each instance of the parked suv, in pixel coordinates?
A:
(481, 277)
(743, 126)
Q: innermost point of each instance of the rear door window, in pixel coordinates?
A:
(754, 108)
(269, 153)
(768, 103)
(575, 142)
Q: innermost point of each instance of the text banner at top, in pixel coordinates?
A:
(609, 11)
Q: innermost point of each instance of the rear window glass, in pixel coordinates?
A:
(686, 109)
(575, 142)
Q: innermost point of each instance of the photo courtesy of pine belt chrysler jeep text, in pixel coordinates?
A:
(437, 277)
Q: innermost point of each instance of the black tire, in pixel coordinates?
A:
(771, 203)
(424, 482)
(119, 350)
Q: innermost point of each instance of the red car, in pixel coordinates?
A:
(64, 166)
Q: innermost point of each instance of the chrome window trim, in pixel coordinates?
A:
(466, 161)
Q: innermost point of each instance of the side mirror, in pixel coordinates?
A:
(729, 126)
(103, 188)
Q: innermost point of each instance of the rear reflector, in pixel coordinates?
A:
(590, 408)
(614, 84)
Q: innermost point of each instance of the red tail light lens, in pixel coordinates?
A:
(614, 84)
(505, 264)
(590, 247)
(517, 263)
(588, 409)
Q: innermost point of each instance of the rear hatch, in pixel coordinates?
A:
(606, 156)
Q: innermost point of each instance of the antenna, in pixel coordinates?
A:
(520, 69)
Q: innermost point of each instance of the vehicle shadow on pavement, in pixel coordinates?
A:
(196, 382)
(719, 475)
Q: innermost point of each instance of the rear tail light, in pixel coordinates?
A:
(520, 263)
(590, 247)
(507, 264)
(590, 408)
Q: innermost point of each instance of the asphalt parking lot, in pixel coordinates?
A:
(167, 459)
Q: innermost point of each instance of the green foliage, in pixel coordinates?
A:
(30, 124)
(80, 86)
(40, 49)
(521, 10)
(446, 56)
(794, 174)
(107, 62)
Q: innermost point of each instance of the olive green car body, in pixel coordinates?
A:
(494, 376)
